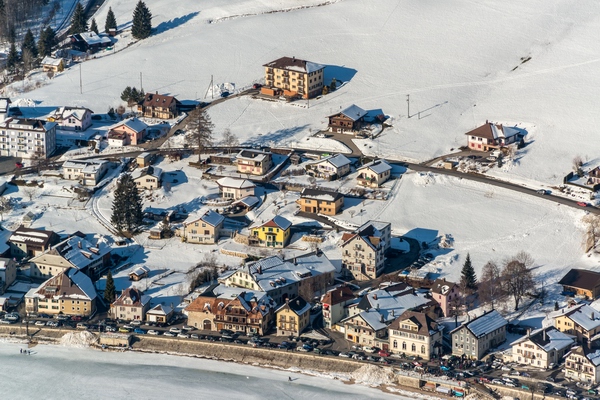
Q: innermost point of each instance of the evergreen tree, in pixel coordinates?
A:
(468, 278)
(142, 21)
(127, 206)
(29, 44)
(134, 96)
(78, 21)
(12, 59)
(109, 291)
(111, 21)
(46, 42)
(126, 94)
(93, 26)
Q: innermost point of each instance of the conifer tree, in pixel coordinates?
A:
(29, 44)
(46, 42)
(111, 21)
(78, 21)
(109, 291)
(12, 60)
(142, 21)
(127, 206)
(468, 278)
(126, 94)
(94, 26)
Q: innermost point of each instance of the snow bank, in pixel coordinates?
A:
(78, 339)
(373, 375)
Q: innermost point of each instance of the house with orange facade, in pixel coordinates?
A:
(292, 77)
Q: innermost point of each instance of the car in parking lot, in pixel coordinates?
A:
(40, 323)
(139, 331)
(194, 336)
(153, 332)
(62, 317)
(124, 329)
(136, 322)
(344, 354)
(81, 325)
(169, 334)
(183, 335)
(175, 330)
(384, 353)
(497, 382)
(110, 328)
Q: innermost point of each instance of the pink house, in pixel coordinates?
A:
(72, 118)
(444, 292)
(491, 136)
(131, 131)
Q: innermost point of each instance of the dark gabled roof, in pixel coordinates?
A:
(442, 286)
(294, 64)
(581, 278)
(34, 236)
(484, 131)
(158, 100)
(322, 195)
(484, 324)
(425, 323)
(338, 295)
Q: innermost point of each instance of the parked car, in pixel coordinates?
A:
(369, 349)
(169, 334)
(153, 332)
(550, 379)
(111, 328)
(256, 86)
(81, 325)
(344, 354)
(497, 382)
(76, 318)
(136, 322)
(225, 94)
(582, 204)
(40, 323)
(139, 331)
(124, 330)
(384, 353)
(183, 335)
(175, 330)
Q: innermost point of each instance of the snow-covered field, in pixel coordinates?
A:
(456, 70)
(102, 375)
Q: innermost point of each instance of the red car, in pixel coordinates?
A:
(582, 204)
(384, 353)
(19, 165)
(256, 86)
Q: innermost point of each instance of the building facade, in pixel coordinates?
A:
(416, 334)
(335, 303)
(131, 305)
(581, 282)
(274, 233)
(446, 294)
(330, 168)
(492, 136)
(129, 132)
(254, 162)
(231, 188)
(203, 230)
(374, 174)
(149, 178)
(72, 118)
(293, 77)
(28, 242)
(8, 273)
(159, 106)
(363, 251)
(27, 138)
(349, 120)
(292, 317)
(476, 337)
(581, 321)
(86, 172)
(583, 364)
(320, 202)
(542, 348)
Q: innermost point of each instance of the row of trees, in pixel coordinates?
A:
(30, 50)
(132, 96)
(16, 13)
(513, 279)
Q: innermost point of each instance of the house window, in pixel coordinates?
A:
(395, 344)
(413, 347)
(403, 345)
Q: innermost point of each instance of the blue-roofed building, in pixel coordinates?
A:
(475, 337)
(330, 168)
(204, 229)
(348, 120)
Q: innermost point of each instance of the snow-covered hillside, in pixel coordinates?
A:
(461, 63)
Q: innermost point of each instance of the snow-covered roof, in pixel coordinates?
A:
(134, 124)
(235, 183)
(353, 112)
(377, 166)
(321, 195)
(298, 305)
(156, 172)
(248, 201)
(392, 302)
(276, 222)
(71, 112)
(253, 155)
(87, 166)
(160, 309)
(585, 316)
(337, 161)
(77, 251)
(212, 218)
(83, 282)
(373, 318)
(92, 38)
(140, 271)
(55, 62)
(25, 235)
(485, 323)
(295, 64)
(547, 339)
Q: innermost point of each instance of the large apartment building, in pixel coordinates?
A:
(293, 77)
(476, 337)
(27, 138)
(363, 251)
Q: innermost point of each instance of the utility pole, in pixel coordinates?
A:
(408, 104)
(80, 81)
(210, 87)
(141, 83)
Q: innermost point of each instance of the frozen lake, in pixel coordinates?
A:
(54, 372)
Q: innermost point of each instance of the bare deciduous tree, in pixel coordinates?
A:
(490, 289)
(229, 139)
(199, 129)
(5, 206)
(517, 278)
(592, 231)
(577, 164)
(30, 192)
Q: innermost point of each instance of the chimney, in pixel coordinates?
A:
(79, 244)
(375, 296)
(157, 92)
(468, 317)
(528, 332)
(295, 261)
(592, 317)
(393, 313)
(544, 331)
(298, 302)
(294, 58)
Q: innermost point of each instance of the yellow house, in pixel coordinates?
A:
(53, 64)
(70, 293)
(320, 202)
(293, 77)
(203, 230)
(292, 317)
(582, 321)
(274, 233)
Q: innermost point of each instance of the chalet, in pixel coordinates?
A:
(583, 364)
(363, 251)
(349, 120)
(205, 229)
(89, 42)
(53, 64)
(492, 136)
(541, 348)
(416, 334)
(86, 172)
(374, 174)
(27, 242)
(131, 305)
(72, 118)
(244, 311)
(293, 77)
(316, 201)
(231, 188)
(292, 317)
(129, 132)
(581, 321)
(159, 314)
(476, 337)
(159, 106)
(148, 178)
(139, 273)
(71, 292)
(594, 176)
(330, 168)
(582, 282)
(144, 159)
(254, 162)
